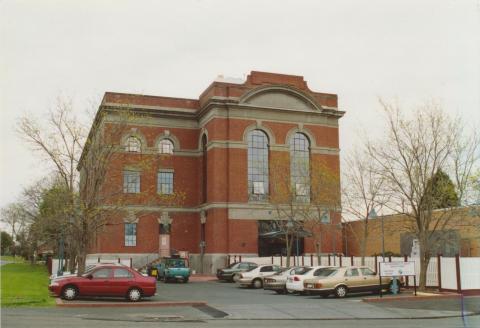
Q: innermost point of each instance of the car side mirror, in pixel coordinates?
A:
(90, 277)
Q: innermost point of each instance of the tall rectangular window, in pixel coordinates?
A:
(130, 234)
(131, 182)
(165, 182)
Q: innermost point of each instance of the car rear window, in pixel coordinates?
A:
(122, 273)
(327, 272)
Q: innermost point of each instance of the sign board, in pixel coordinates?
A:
(397, 269)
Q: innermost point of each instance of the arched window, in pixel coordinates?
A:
(165, 146)
(300, 166)
(257, 165)
(133, 144)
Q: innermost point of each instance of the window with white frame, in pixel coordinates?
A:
(165, 146)
(133, 144)
(131, 182)
(130, 234)
(257, 165)
(300, 167)
(165, 182)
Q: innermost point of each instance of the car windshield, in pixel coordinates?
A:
(327, 272)
(233, 265)
(303, 270)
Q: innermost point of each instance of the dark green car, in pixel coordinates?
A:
(173, 269)
(233, 271)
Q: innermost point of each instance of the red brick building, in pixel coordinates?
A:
(216, 151)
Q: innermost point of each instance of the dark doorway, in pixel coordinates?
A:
(271, 240)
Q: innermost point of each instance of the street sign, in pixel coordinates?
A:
(397, 269)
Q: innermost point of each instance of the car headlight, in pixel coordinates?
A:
(54, 284)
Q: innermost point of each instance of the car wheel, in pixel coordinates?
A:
(134, 295)
(289, 291)
(341, 291)
(69, 293)
(257, 283)
(279, 291)
(236, 277)
(185, 280)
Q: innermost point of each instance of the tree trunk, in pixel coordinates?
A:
(72, 263)
(424, 260)
(82, 257)
(318, 249)
(363, 248)
(287, 244)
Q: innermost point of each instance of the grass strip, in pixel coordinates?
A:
(25, 285)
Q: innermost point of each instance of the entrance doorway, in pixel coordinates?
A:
(271, 240)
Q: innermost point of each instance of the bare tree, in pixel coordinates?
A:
(321, 214)
(362, 193)
(409, 155)
(14, 216)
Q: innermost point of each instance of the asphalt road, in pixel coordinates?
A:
(229, 305)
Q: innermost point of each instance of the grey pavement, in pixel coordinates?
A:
(229, 305)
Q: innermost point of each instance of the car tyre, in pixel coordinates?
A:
(185, 280)
(134, 295)
(341, 291)
(69, 293)
(236, 277)
(257, 283)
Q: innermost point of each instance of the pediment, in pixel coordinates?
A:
(279, 98)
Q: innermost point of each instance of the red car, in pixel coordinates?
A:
(105, 281)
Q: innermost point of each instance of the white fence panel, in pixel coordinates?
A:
(469, 273)
(449, 274)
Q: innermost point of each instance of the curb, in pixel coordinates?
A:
(410, 298)
(61, 303)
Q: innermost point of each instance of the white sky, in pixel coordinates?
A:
(412, 51)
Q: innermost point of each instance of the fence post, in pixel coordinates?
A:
(439, 272)
(294, 264)
(389, 258)
(131, 263)
(118, 260)
(351, 260)
(376, 265)
(405, 257)
(272, 259)
(303, 260)
(240, 258)
(457, 265)
(340, 260)
(329, 259)
(281, 260)
(98, 259)
(311, 260)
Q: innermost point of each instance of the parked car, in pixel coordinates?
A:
(254, 278)
(295, 281)
(344, 280)
(278, 282)
(88, 268)
(233, 271)
(105, 280)
(173, 269)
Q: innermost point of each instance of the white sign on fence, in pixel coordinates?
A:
(396, 269)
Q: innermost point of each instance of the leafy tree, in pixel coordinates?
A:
(441, 190)
(6, 242)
